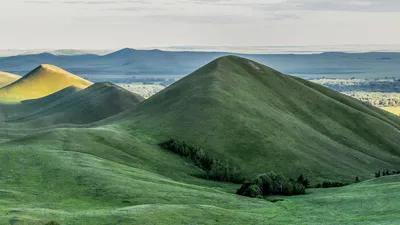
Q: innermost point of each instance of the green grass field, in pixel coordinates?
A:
(44, 177)
(64, 162)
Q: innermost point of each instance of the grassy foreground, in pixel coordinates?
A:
(56, 176)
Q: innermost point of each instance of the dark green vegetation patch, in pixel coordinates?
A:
(215, 169)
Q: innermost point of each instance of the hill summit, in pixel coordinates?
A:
(263, 120)
(42, 81)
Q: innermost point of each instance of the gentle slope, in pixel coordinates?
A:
(97, 102)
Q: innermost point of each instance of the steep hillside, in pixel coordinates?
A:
(263, 120)
(42, 81)
(97, 102)
(7, 78)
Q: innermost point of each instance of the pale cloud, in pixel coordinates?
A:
(140, 23)
(379, 6)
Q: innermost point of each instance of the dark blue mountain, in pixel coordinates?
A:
(156, 62)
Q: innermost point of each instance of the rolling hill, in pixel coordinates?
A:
(91, 156)
(7, 78)
(97, 102)
(263, 120)
(42, 81)
(106, 176)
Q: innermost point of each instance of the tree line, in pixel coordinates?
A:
(331, 184)
(215, 169)
(273, 184)
(262, 185)
(386, 173)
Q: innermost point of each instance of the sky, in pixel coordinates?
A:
(113, 24)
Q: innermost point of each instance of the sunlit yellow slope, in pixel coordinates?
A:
(393, 109)
(42, 81)
(7, 78)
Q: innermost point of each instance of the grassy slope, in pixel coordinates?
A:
(7, 78)
(67, 182)
(97, 102)
(8, 111)
(247, 112)
(66, 108)
(110, 175)
(104, 176)
(42, 81)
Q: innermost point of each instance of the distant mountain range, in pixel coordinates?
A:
(156, 62)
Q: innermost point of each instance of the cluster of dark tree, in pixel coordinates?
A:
(331, 184)
(273, 184)
(386, 173)
(215, 169)
(52, 223)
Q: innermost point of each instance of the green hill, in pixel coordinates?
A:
(71, 106)
(9, 111)
(91, 156)
(52, 97)
(104, 176)
(263, 120)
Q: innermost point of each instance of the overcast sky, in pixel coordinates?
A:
(110, 24)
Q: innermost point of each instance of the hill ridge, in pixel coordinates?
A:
(7, 78)
(257, 67)
(49, 68)
(44, 80)
(245, 112)
(74, 106)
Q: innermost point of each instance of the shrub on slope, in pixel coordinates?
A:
(271, 184)
(215, 169)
